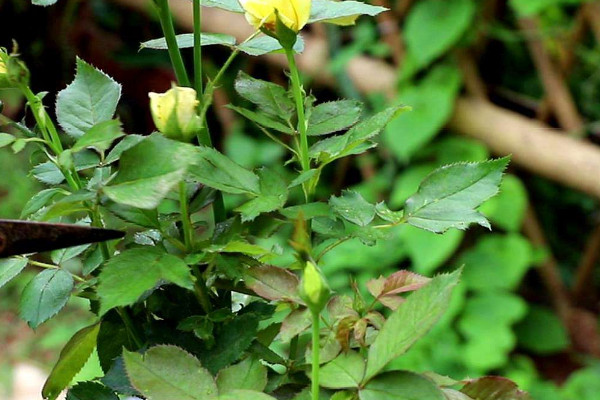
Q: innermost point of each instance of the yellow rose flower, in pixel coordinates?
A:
(261, 13)
(175, 113)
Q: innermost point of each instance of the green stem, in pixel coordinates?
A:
(130, 327)
(299, 98)
(51, 266)
(166, 22)
(185, 217)
(315, 356)
(200, 290)
(198, 49)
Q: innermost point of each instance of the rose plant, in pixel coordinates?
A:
(190, 305)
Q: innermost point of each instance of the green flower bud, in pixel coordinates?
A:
(175, 113)
(313, 288)
(13, 72)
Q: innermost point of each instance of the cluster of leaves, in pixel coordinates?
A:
(216, 319)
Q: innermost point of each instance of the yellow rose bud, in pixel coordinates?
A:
(175, 113)
(261, 13)
(314, 290)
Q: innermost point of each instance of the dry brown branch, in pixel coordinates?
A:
(557, 92)
(534, 146)
(592, 13)
(583, 277)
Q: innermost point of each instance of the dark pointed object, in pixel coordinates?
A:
(24, 237)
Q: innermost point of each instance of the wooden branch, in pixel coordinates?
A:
(557, 92)
(534, 146)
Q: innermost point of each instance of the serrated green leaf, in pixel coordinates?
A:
(427, 18)
(245, 395)
(145, 218)
(40, 200)
(125, 277)
(168, 372)
(262, 119)
(449, 196)
(269, 97)
(410, 322)
(272, 197)
(186, 40)
(432, 101)
(353, 141)
(49, 173)
(220, 172)
(149, 170)
(345, 371)
(231, 340)
(307, 211)
(90, 99)
(91, 391)
(353, 207)
(249, 374)
(61, 255)
(99, 136)
(326, 10)
(266, 44)
(400, 385)
(125, 144)
(43, 3)
(333, 116)
(229, 5)
(44, 296)
(10, 268)
(72, 358)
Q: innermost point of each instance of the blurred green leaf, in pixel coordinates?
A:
(433, 26)
(91, 98)
(507, 209)
(6, 139)
(542, 332)
(245, 395)
(532, 7)
(432, 101)
(497, 262)
(428, 250)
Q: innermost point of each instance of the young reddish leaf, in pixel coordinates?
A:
(494, 388)
(386, 289)
(294, 324)
(273, 283)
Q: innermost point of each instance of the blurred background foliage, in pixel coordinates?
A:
(528, 305)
